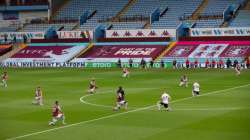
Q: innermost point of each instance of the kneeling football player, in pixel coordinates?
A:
(183, 81)
(121, 99)
(38, 97)
(125, 72)
(92, 86)
(4, 79)
(237, 69)
(196, 89)
(57, 114)
(164, 101)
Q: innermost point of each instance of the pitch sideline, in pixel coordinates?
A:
(122, 113)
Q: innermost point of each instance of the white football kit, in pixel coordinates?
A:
(196, 89)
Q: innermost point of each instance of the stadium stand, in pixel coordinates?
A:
(209, 23)
(143, 7)
(9, 26)
(8, 29)
(44, 27)
(75, 8)
(103, 12)
(67, 18)
(242, 19)
(212, 15)
(40, 27)
(171, 18)
(218, 6)
(127, 25)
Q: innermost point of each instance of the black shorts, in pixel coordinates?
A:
(196, 92)
(165, 105)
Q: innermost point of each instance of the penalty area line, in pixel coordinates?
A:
(122, 113)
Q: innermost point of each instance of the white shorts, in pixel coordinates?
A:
(92, 90)
(122, 102)
(182, 83)
(60, 115)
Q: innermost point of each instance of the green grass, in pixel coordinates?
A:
(222, 115)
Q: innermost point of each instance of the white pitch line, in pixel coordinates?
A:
(119, 114)
(92, 104)
(100, 105)
(211, 109)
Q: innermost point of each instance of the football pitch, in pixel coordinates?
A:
(221, 112)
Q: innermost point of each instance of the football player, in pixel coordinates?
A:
(120, 97)
(57, 114)
(164, 101)
(196, 89)
(92, 86)
(38, 96)
(4, 79)
(237, 69)
(125, 72)
(183, 81)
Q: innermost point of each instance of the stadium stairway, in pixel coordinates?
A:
(224, 24)
(16, 49)
(199, 10)
(227, 23)
(171, 45)
(56, 10)
(147, 25)
(83, 51)
(124, 9)
(76, 27)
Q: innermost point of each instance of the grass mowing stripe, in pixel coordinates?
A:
(99, 105)
(92, 104)
(119, 114)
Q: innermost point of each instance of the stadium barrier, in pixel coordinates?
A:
(84, 36)
(221, 32)
(75, 34)
(151, 39)
(20, 35)
(216, 38)
(156, 65)
(141, 33)
(78, 40)
(79, 65)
